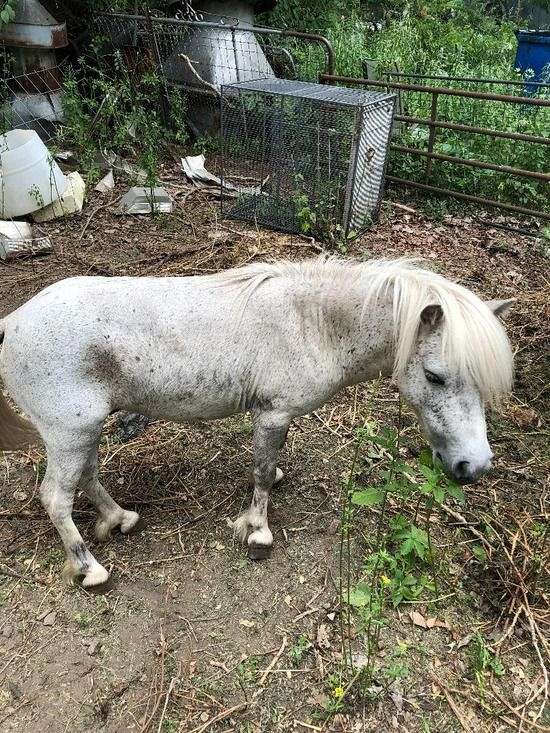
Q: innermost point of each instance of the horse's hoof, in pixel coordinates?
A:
(128, 523)
(259, 552)
(131, 523)
(100, 589)
(96, 576)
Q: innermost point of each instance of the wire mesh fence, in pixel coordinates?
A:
(303, 157)
(30, 100)
(199, 57)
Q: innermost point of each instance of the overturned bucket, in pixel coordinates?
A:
(29, 176)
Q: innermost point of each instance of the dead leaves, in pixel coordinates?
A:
(525, 417)
(427, 623)
(323, 641)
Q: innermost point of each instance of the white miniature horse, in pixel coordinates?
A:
(277, 340)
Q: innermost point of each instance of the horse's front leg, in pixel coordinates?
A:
(270, 432)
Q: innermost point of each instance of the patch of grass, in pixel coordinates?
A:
(83, 620)
(170, 725)
(247, 670)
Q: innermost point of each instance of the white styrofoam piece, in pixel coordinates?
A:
(138, 200)
(70, 203)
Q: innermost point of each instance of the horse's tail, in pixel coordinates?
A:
(16, 433)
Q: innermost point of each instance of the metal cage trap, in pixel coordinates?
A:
(302, 157)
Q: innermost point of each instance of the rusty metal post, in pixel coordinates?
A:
(431, 138)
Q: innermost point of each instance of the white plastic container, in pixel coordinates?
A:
(29, 176)
(70, 203)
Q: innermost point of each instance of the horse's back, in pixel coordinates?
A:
(176, 348)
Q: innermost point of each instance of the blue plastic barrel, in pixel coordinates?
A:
(533, 58)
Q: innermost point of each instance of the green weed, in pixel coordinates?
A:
(107, 108)
(299, 649)
(483, 661)
(83, 620)
(247, 670)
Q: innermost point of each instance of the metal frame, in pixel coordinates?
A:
(468, 79)
(261, 30)
(434, 124)
(357, 207)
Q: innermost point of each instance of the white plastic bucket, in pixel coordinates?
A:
(29, 176)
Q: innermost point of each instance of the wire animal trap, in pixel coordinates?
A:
(312, 156)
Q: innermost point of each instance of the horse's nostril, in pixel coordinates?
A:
(462, 469)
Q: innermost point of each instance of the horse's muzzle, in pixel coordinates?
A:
(467, 472)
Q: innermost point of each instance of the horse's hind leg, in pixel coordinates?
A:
(269, 436)
(111, 515)
(67, 459)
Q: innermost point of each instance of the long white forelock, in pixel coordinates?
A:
(475, 345)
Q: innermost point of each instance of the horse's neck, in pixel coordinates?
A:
(361, 339)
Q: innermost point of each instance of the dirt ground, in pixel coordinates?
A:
(192, 636)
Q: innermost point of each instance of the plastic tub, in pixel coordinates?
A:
(533, 57)
(29, 176)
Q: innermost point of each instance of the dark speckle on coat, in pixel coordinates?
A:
(80, 554)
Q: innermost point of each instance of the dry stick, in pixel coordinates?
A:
(513, 710)
(452, 704)
(93, 213)
(459, 518)
(273, 663)
(534, 631)
(168, 693)
(159, 696)
(220, 716)
(13, 574)
(187, 62)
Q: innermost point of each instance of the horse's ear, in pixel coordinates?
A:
(432, 315)
(500, 307)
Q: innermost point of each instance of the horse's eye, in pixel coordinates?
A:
(433, 378)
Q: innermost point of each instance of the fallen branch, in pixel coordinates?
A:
(467, 525)
(452, 704)
(220, 716)
(195, 74)
(273, 663)
(168, 693)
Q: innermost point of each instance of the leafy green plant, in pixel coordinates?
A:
(7, 12)
(443, 37)
(482, 660)
(299, 649)
(247, 670)
(36, 195)
(107, 108)
(401, 566)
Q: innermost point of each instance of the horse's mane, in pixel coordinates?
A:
(475, 343)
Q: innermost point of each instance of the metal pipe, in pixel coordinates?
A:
(511, 82)
(469, 197)
(533, 101)
(478, 130)
(431, 137)
(322, 40)
(473, 163)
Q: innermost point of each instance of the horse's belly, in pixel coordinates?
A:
(184, 396)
